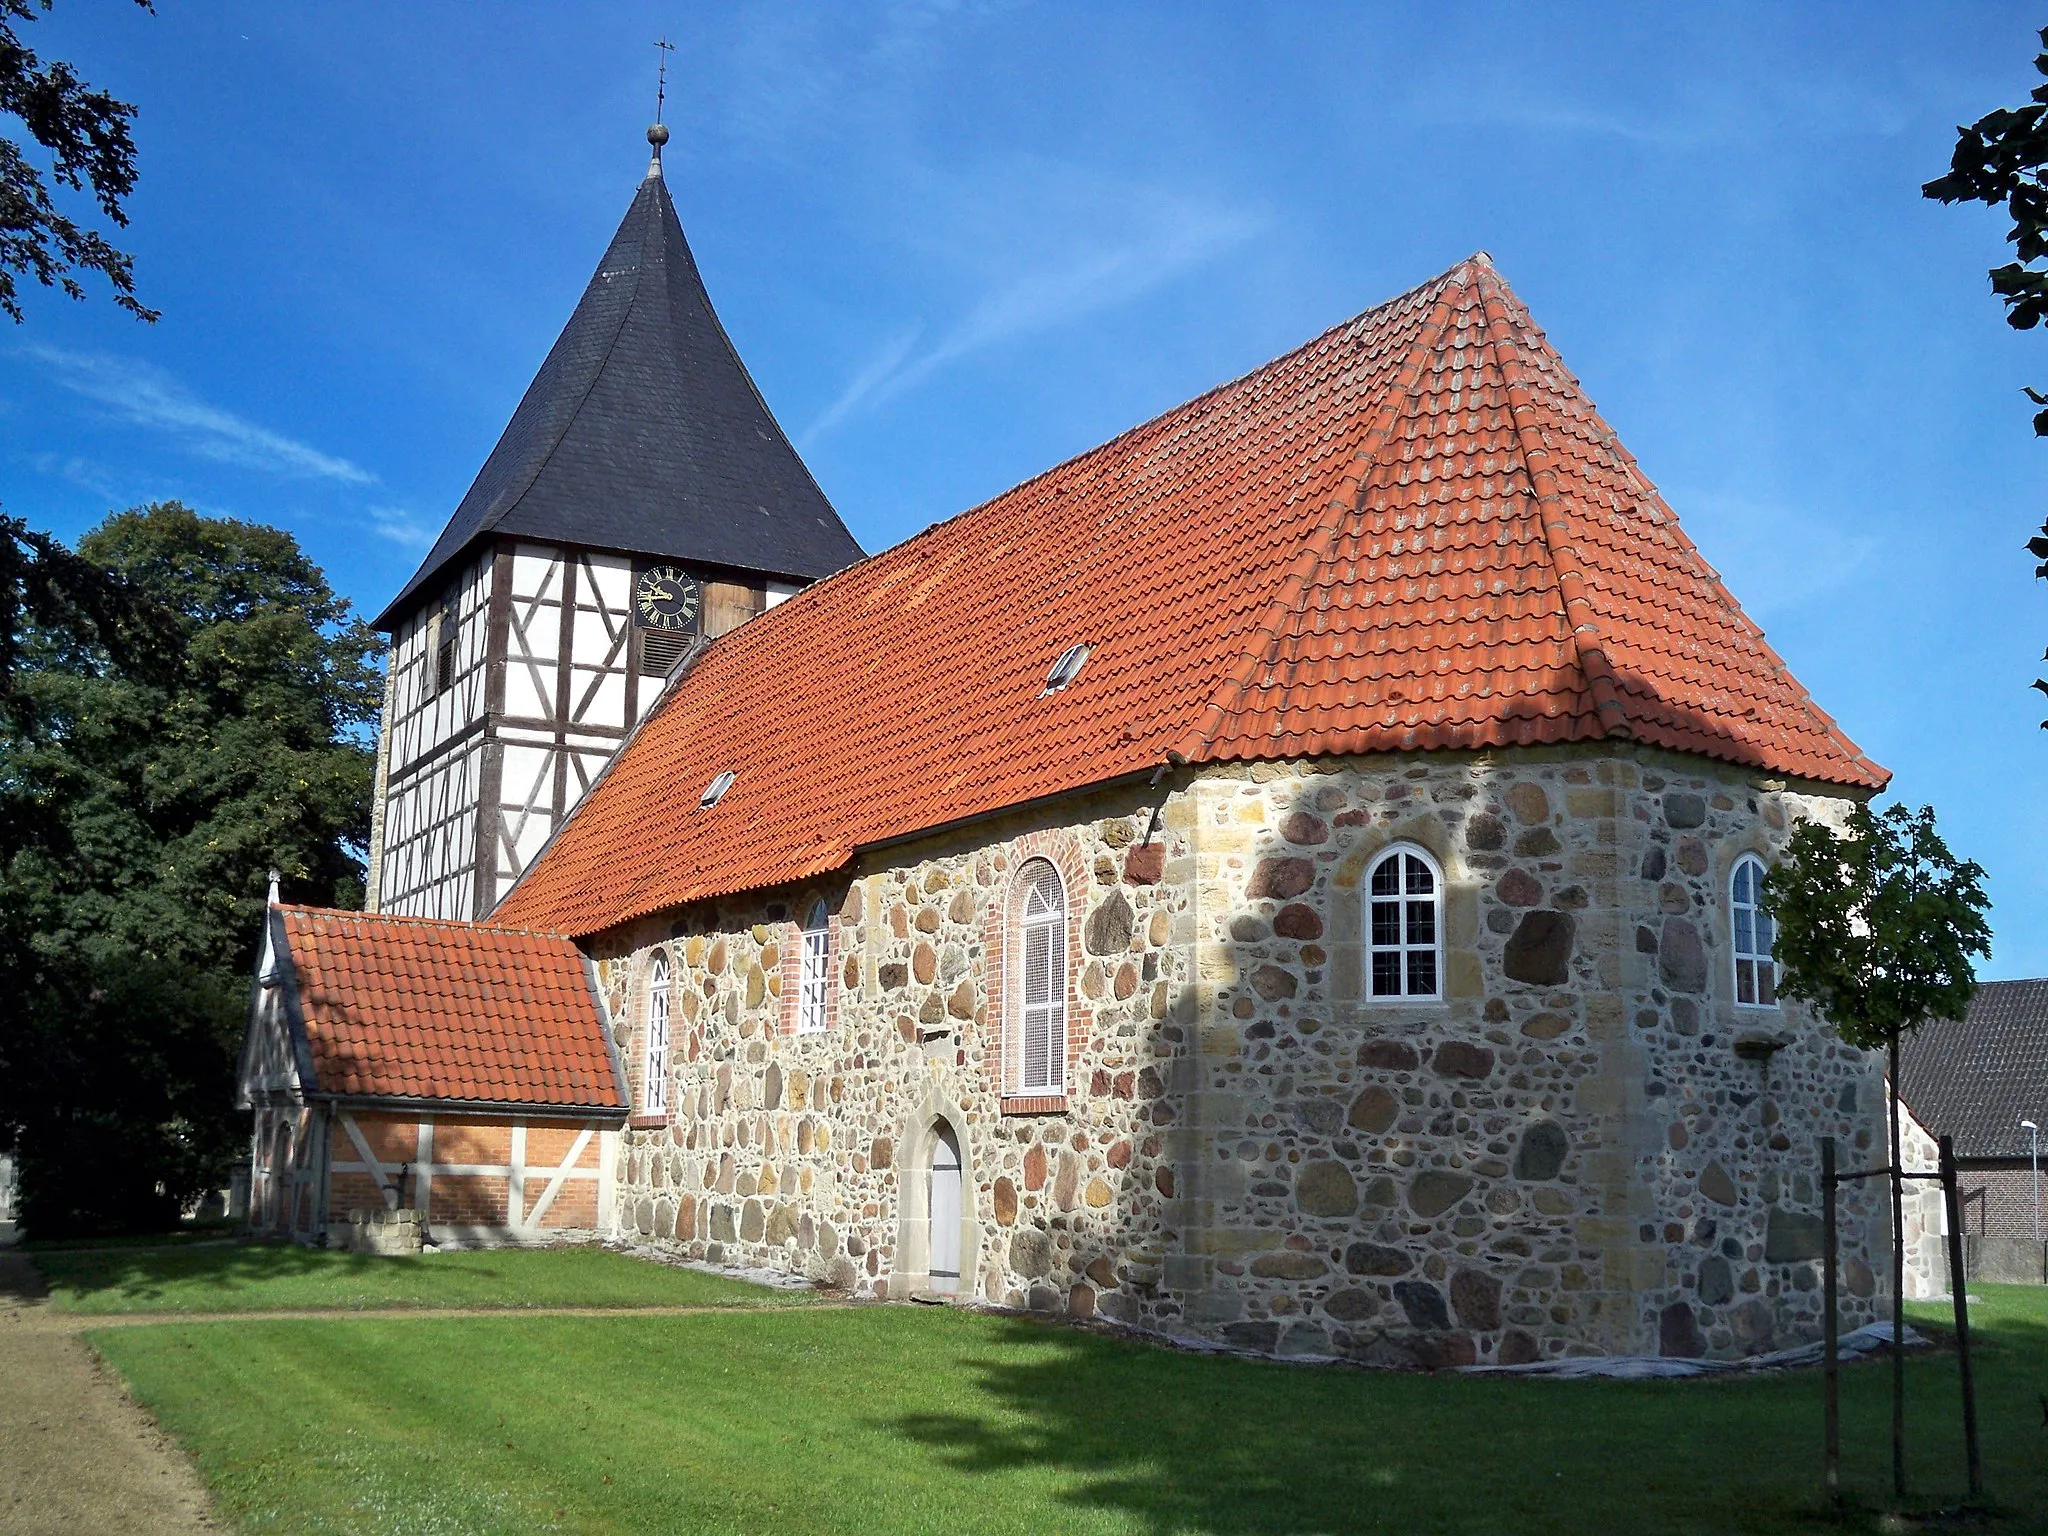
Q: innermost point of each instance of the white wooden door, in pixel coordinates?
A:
(945, 1212)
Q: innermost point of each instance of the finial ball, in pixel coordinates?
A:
(658, 135)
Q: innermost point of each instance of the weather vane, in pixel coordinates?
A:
(661, 79)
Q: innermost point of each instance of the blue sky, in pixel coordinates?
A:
(957, 243)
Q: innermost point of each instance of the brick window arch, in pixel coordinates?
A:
(1404, 926)
(814, 971)
(1036, 1059)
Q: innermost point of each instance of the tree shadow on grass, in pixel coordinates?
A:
(1177, 1442)
(197, 1277)
(1174, 1442)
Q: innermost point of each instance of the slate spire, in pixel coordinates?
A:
(643, 432)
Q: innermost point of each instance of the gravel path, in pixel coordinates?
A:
(76, 1453)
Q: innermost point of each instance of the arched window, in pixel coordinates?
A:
(814, 971)
(1404, 928)
(654, 1084)
(1038, 1053)
(1756, 973)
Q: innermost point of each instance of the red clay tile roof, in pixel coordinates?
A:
(1414, 532)
(408, 1007)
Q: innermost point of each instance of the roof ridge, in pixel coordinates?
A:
(809, 593)
(1184, 407)
(1583, 623)
(1344, 503)
(419, 920)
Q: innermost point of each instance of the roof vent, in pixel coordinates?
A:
(1066, 669)
(715, 790)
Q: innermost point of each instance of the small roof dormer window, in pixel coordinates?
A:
(715, 790)
(1066, 669)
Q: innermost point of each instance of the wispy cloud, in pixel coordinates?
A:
(401, 527)
(1091, 248)
(880, 370)
(1779, 561)
(146, 396)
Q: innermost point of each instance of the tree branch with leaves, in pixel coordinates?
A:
(84, 135)
(2001, 160)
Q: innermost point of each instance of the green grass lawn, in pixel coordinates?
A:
(918, 1419)
(252, 1277)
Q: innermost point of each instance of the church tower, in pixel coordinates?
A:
(642, 500)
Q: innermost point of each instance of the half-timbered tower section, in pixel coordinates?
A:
(642, 500)
(398, 1063)
(1294, 884)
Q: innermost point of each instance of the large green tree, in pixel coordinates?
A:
(145, 791)
(2002, 160)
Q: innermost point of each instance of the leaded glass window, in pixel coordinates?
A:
(654, 1084)
(1756, 936)
(1404, 925)
(814, 974)
(1038, 1062)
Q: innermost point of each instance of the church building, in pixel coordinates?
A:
(1287, 877)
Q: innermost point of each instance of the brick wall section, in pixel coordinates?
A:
(1564, 1155)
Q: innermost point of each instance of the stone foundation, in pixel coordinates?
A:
(391, 1233)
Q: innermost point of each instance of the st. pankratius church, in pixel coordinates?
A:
(1286, 877)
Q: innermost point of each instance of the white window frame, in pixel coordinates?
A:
(814, 972)
(1406, 949)
(654, 1055)
(1747, 923)
(1040, 925)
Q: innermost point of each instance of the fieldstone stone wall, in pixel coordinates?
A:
(1586, 1147)
(1925, 1223)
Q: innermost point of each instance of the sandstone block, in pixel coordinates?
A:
(1530, 803)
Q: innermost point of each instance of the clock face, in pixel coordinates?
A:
(666, 598)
